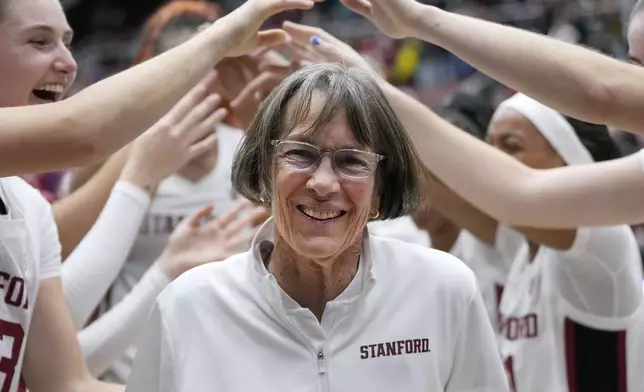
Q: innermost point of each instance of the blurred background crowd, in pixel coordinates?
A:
(108, 33)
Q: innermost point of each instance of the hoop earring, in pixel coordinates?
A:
(375, 216)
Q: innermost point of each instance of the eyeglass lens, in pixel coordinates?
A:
(350, 163)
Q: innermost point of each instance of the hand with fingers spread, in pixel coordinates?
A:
(234, 73)
(313, 45)
(250, 17)
(238, 77)
(184, 133)
(272, 68)
(396, 18)
(197, 241)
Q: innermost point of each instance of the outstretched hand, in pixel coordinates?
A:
(246, 80)
(272, 68)
(312, 45)
(396, 18)
(197, 241)
(252, 15)
(184, 133)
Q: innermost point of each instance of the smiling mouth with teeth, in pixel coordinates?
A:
(321, 216)
(49, 92)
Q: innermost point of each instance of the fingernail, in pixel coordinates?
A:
(315, 40)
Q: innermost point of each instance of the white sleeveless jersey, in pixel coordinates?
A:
(490, 267)
(175, 199)
(29, 252)
(572, 321)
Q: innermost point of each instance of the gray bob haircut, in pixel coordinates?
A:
(369, 114)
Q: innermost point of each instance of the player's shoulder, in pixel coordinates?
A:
(420, 265)
(24, 198)
(604, 239)
(23, 191)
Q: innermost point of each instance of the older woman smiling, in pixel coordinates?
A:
(317, 303)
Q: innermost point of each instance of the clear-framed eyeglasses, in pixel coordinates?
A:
(349, 163)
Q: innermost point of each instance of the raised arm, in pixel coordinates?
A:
(498, 185)
(90, 198)
(606, 193)
(181, 135)
(192, 244)
(571, 79)
(184, 133)
(106, 116)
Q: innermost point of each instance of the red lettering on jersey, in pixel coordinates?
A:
(8, 364)
(515, 328)
(4, 279)
(14, 290)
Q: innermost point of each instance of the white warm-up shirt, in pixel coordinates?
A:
(29, 253)
(572, 320)
(175, 199)
(412, 319)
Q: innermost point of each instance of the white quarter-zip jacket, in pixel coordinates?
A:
(411, 320)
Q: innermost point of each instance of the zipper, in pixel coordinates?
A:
(322, 372)
(321, 365)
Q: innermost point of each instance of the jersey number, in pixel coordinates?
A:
(509, 369)
(8, 364)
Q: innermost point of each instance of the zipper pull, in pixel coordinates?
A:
(321, 366)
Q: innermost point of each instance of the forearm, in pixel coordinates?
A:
(141, 95)
(487, 178)
(94, 264)
(83, 174)
(574, 80)
(107, 339)
(601, 194)
(76, 213)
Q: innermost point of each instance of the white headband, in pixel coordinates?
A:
(553, 126)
